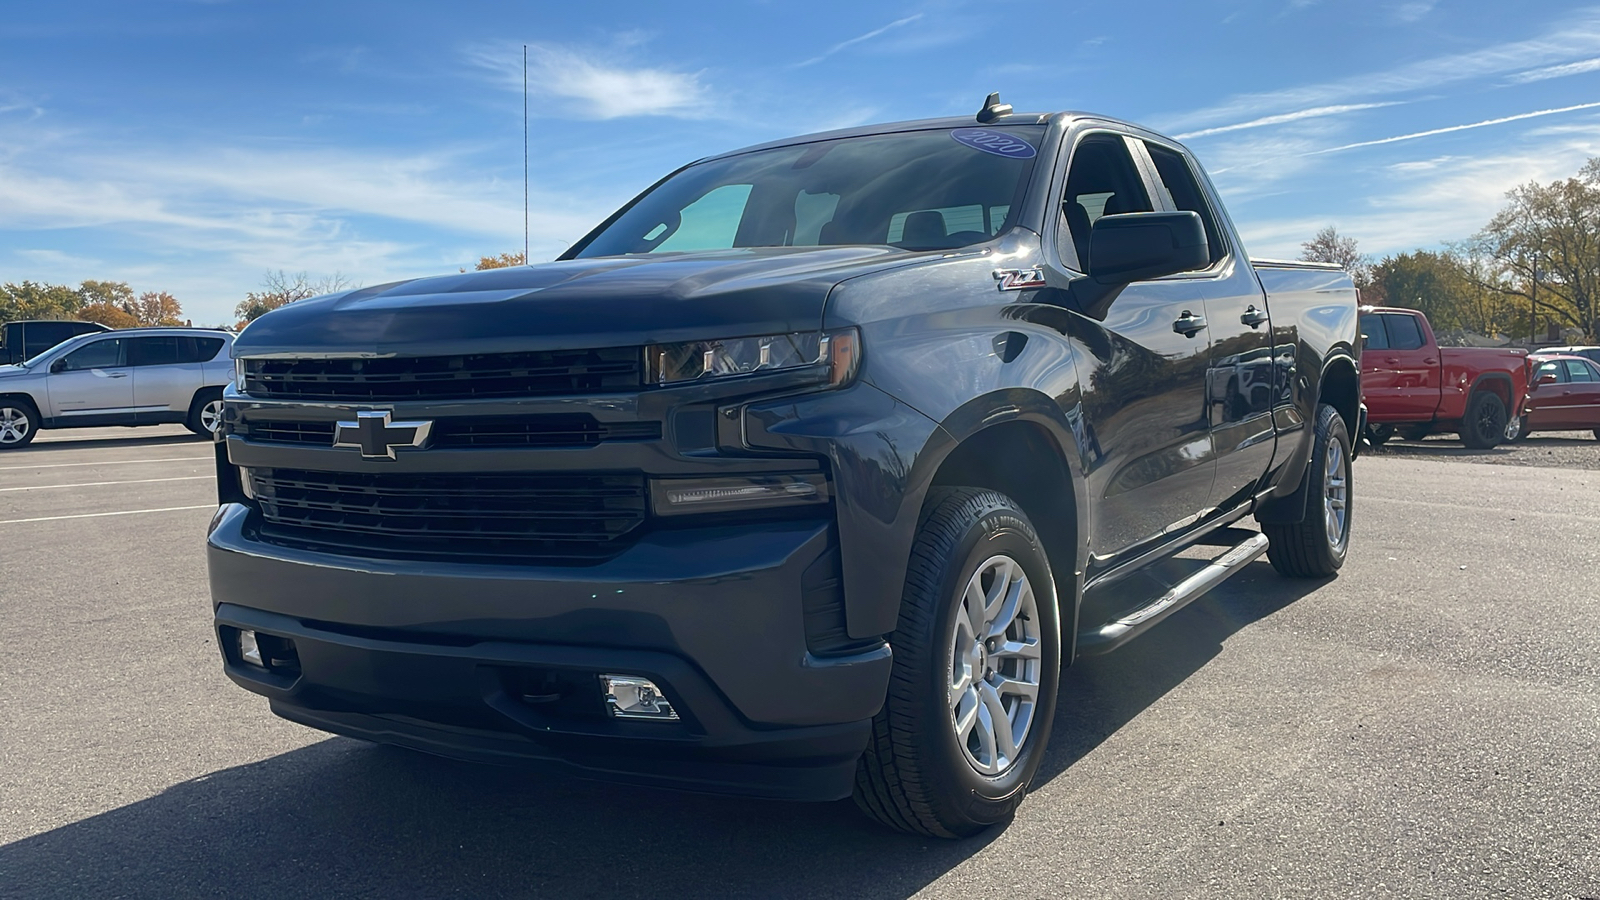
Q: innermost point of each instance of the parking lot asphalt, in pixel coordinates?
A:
(1425, 725)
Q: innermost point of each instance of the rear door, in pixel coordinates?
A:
(1239, 375)
(92, 381)
(1145, 405)
(166, 375)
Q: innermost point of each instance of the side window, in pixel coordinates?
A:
(1180, 182)
(1377, 336)
(1102, 181)
(155, 351)
(1549, 368)
(1577, 371)
(1404, 333)
(106, 354)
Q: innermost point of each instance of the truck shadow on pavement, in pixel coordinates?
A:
(342, 818)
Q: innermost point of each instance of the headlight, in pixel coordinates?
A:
(834, 355)
(238, 375)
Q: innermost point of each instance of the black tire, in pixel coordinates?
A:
(19, 422)
(915, 775)
(198, 418)
(1485, 424)
(1414, 432)
(1304, 549)
(1378, 435)
(1597, 434)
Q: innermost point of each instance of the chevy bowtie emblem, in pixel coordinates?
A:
(376, 437)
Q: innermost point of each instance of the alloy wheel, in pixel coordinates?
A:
(211, 415)
(14, 425)
(995, 666)
(1335, 494)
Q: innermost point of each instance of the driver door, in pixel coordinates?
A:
(92, 380)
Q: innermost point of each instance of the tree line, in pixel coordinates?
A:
(1532, 271)
(111, 303)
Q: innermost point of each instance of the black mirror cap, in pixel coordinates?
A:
(59, 365)
(1137, 246)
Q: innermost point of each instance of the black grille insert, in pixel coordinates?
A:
(578, 430)
(527, 374)
(544, 518)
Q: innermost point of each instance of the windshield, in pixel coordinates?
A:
(920, 190)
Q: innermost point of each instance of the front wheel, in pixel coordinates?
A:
(1485, 423)
(18, 424)
(1517, 429)
(1316, 546)
(977, 656)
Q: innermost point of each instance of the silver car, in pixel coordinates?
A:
(136, 376)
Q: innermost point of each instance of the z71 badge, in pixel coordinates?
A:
(1019, 279)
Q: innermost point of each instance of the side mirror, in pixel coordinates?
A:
(58, 366)
(1135, 247)
(1547, 378)
(1138, 246)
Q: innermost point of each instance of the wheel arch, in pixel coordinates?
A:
(1499, 384)
(1020, 444)
(23, 397)
(1340, 387)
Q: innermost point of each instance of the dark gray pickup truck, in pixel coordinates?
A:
(802, 475)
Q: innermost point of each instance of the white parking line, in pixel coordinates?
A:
(46, 487)
(125, 512)
(115, 462)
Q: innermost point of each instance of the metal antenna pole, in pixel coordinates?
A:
(524, 154)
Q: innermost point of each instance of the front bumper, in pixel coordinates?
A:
(437, 656)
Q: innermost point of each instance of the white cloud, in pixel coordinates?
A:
(1413, 10)
(1284, 118)
(1579, 35)
(1454, 128)
(859, 39)
(1561, 71)
(589, 85)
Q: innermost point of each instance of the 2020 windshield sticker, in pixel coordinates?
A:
(994, 141)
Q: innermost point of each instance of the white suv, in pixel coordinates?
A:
(137, 376)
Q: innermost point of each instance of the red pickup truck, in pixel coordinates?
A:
(1414, 388)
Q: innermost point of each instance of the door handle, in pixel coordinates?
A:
(1189, 324)
(1253, 317)
(116, 374)
(1392, 360)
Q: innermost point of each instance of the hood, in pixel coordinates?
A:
(12, 370)
(569, 304)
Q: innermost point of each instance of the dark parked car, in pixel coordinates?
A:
(1564, 395)
(802, 475)
(23, 340)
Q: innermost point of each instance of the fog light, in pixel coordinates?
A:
(632, 697)
(249, 651)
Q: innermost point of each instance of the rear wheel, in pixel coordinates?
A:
(1485, 423)
(19, 422)
(1316, 546)
(1378, 435)
(205, 413)
(977, 654)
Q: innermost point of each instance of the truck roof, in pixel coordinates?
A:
(947, 122)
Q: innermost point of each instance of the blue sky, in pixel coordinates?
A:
(192, 146)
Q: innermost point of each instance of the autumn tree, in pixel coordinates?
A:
(1444, 286)
(1332, 247)
(504, 260)
(279, 289)
(1545, 244)
(31, 300)
(107, 314)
